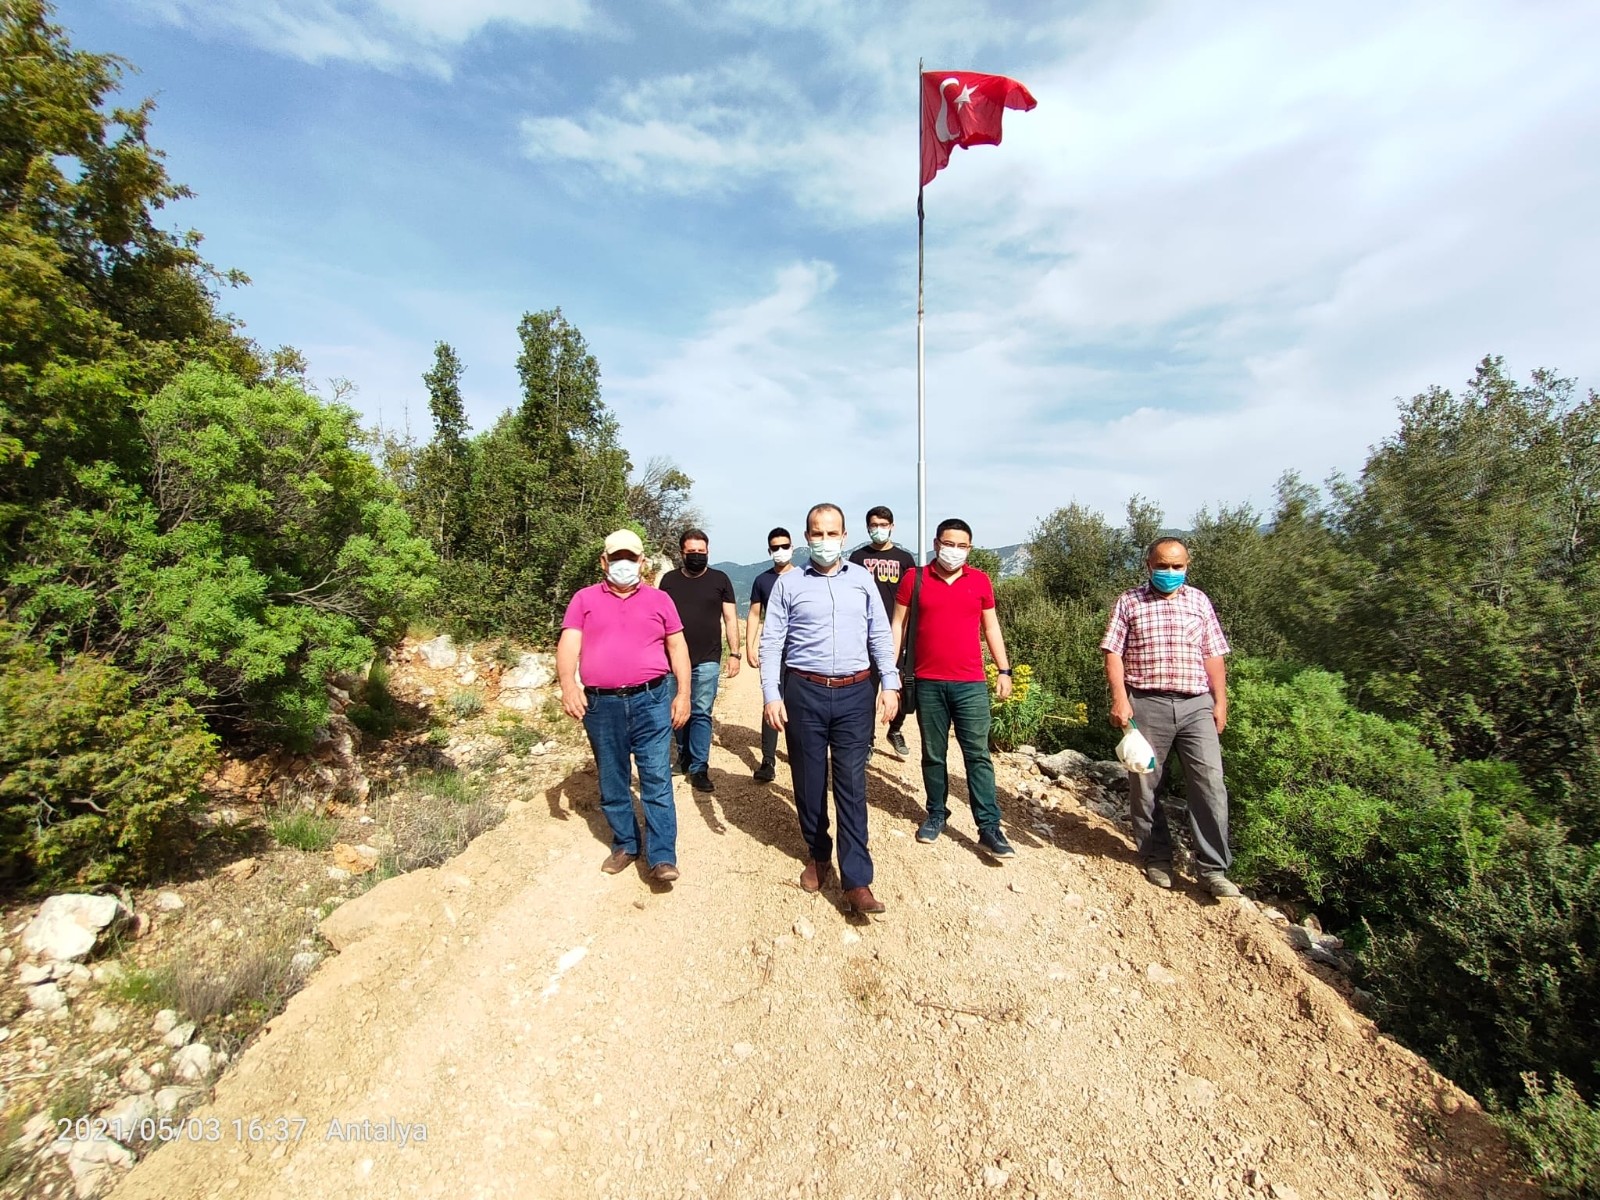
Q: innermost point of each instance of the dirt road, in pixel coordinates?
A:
(1051, 1027)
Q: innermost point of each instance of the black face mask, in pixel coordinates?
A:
(695, 562)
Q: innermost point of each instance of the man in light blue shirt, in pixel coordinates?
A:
(825, 629)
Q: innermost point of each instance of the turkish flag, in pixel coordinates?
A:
(963, 108)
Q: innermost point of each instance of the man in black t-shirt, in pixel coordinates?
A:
(781, 547)
(888, 564)
(706, 606)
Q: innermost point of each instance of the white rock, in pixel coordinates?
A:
(79, 974)
(466, 677)
(136, 1079)
(168, 1099)
(743, 1049)
(179, 1035)
(94, 1163)
(304, 962)
(1156, 973)
(439, 653)
(47, 998)
(110, 972)
(849, 936)
(1065, 762)
(165, 1020)
(533, 671)
(994, 1177)
(32, 974)
(129, 1111)
(338, 874)
(105, 1021)
(6, 956)
(804, 928)
(192, 1063)
(1275, 915)
(68, 926)
(169, 902)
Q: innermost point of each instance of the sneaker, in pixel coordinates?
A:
(766, 773)
(679, 767)
(898, 741)
(1159, 874)
(992, 840)
(1219, 885)
(929, 831)
(701, 782)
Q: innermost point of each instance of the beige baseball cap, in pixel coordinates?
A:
(624, 539)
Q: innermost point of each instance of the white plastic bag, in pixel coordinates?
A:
(1135, 752)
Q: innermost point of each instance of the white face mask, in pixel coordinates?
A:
(879, 536)
(782, 556)
(826, 551)
(952, 560)
(623, 572)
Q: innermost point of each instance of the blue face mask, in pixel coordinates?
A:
(1168, 579)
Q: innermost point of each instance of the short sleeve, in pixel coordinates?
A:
(671, 622)
(725, 591)
(902, 594)
(986, 600)
(576, 609)
(1116, 638)
(1213, 642)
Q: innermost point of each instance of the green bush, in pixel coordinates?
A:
(466, 702)
(1339, 806)
(264, 556)
(1558, 1133)
(301, 830)
(1060, 639)
(1499, 976)
(374, 711)
(1033, 716)
(96, 785)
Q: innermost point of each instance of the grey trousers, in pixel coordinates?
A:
(1185, 724)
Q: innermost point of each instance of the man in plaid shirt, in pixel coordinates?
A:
(1164, 660)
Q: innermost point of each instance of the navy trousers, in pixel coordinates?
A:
(830, 734)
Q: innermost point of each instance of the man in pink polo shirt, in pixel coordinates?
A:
(626, 642)
(954, 618)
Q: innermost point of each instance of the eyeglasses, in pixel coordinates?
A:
(952, 545)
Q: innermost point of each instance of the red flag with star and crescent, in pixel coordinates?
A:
(963, 108)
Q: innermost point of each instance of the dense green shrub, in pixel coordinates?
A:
(1060, 639)
(96, 785)
(1558, 1133)
(1034, 715)
(1339, 806)
(266, 557)
(1499, 976)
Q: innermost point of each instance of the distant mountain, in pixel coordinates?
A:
(1013, 562)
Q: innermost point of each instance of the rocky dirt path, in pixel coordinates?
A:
(1051, 1027)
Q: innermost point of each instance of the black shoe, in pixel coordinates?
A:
(702, 782)
(992, 840)
(898, 741)
(766, 773)
(679, 767)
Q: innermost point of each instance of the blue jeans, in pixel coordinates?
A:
(694, 739)
(637, 727)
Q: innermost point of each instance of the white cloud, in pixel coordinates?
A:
(388, 34)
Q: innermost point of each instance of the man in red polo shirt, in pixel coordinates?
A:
(955, 616)
(625, 639)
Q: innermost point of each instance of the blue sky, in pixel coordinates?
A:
(1228, 237)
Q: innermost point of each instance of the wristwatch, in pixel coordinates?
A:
(1005, 671)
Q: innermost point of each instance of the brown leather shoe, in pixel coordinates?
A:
(664, 872)
(862, 900)
(814, 876)
(620, 860)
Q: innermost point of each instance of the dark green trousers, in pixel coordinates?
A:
(966, 706)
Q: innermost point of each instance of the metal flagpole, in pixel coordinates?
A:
(922, 412)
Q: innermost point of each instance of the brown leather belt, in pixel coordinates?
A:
(834, 681)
